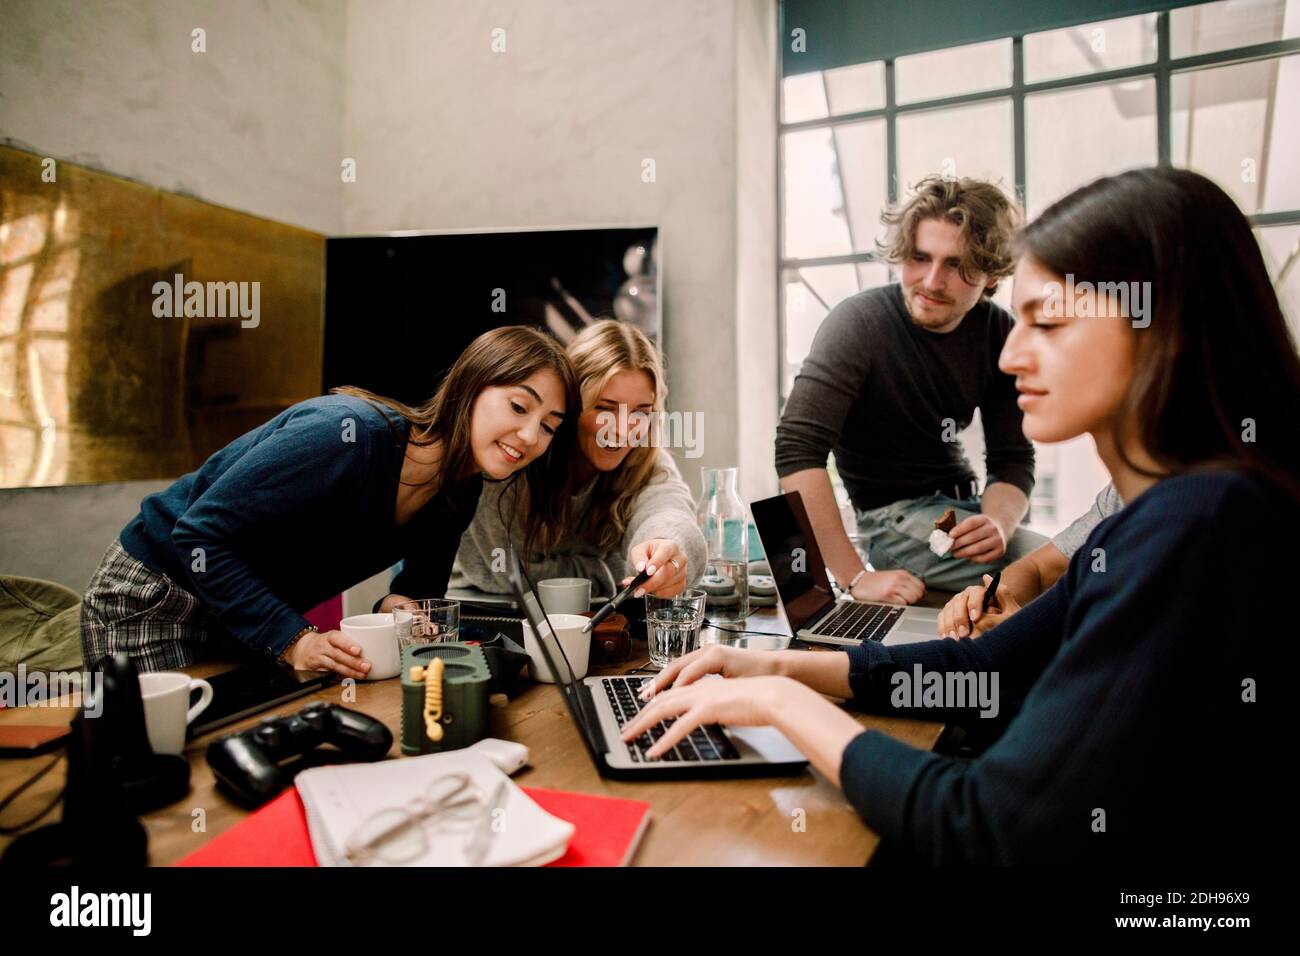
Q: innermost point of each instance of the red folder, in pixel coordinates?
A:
(606, 832)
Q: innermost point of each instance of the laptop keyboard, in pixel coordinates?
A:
(870, 622)
(703, 743)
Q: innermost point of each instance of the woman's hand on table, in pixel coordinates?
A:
(666, 562)
(328, 651)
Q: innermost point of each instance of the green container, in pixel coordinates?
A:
(464, 697)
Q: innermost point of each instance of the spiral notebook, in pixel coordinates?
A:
(513, 829)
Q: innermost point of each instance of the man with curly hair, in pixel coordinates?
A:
(893, 377)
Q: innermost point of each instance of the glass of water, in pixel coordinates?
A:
(673, 625)
(430, 621)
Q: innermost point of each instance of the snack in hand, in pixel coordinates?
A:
(940, 539)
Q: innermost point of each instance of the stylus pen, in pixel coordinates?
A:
(990, 592)
(618, 599)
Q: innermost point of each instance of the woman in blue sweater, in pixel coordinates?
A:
(1126, 726)
(327, 493)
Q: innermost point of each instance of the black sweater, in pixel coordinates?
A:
(889, 397)
(1121, 691)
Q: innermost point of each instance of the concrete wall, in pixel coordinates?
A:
(446, 134)
(449, 134)
(254, 123)
(757, 355)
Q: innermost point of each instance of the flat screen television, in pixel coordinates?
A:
(400, 308)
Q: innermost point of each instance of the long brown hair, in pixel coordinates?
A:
(501, 357)
(1218, 356)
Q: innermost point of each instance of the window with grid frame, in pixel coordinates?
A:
(1214, 87)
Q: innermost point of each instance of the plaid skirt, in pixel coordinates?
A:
(131, 607)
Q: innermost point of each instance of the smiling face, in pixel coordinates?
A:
(618, 420)
(510, 425)
(937, 297)
(1071, 371)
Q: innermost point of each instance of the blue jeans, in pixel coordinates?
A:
(897, 535)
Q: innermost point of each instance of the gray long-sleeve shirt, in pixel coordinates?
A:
(888, 398)
(662, 509)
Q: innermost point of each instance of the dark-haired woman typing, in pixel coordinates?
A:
(1127, 727)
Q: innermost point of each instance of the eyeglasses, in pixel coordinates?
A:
(399, 835)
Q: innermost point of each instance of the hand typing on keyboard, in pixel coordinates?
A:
(714, 659)
(781, 689)
(704, 743)
(672, 715)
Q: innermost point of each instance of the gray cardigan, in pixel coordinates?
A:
(662, 509)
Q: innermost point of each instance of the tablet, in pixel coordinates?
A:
(253, 688)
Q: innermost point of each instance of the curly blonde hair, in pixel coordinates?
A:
(986, 216)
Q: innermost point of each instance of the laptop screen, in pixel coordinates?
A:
(553, 653)
(796, 561)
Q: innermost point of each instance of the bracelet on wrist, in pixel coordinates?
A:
(309, 629)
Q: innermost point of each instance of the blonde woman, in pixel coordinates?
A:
(630, 508)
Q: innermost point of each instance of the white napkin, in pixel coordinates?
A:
(514, 832)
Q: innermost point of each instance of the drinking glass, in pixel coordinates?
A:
(430, 621)
(673, 625)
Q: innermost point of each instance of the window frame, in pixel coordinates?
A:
(1161, 69)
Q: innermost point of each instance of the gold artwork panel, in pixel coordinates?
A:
(95, 384)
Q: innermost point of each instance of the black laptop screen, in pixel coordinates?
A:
(795, 559)
(553, 653)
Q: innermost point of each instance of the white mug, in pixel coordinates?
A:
(576, 644)
(377, 636)
(565, 595)
(167, 710)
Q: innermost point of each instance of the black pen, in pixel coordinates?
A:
(990, 592)
(618, 599)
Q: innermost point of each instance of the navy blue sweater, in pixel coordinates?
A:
(293, 513)
(1121, 692)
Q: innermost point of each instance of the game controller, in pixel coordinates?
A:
(247, 763)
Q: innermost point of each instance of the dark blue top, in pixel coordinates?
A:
(1122, 691)
(293, 513)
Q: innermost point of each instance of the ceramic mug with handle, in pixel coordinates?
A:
(167, 708)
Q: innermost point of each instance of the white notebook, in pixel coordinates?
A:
(515, 831)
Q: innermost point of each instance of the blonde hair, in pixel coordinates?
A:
(601, 351)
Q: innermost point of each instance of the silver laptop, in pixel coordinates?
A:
(602, 706)
(804, 590)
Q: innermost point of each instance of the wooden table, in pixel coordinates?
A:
(797, 821)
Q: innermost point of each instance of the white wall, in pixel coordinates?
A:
(448, 134)
(756, 297)
(254, 123)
